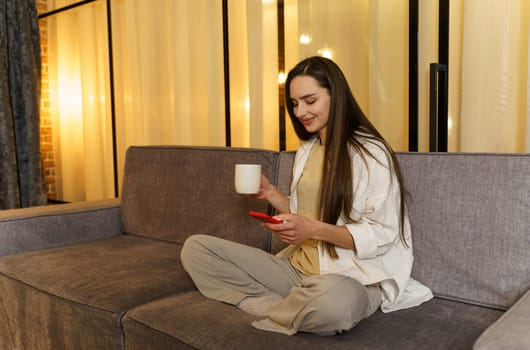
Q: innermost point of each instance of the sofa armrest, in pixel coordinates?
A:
(510, 331)
(58, 225)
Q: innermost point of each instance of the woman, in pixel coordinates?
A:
(346, 224)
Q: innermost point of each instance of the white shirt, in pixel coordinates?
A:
(380, 255)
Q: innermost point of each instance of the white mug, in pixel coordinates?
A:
(248, 178)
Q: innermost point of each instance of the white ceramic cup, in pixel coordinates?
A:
(248, 178)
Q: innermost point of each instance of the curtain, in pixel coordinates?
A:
(168, 59)
(369, 41)
(78, 65)
(21, 178)
(254, 99)
(494, 76)
(489, 81)
(168, 85)
(169, 82)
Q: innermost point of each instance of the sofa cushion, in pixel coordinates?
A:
(170, 193)
(470, 220)
(77, 295)
(188, 320)
(510, 331)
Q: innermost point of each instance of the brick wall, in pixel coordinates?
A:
(46, 120)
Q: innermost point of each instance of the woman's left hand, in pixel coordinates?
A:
(294, 229)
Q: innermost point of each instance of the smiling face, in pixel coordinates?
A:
(311, 104)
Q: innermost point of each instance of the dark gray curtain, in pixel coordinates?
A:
(21, 178)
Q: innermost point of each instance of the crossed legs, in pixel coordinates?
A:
(232, 273)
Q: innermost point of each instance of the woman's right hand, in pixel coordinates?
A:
(264, 189)
(270, 193)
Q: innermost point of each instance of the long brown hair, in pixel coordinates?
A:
(346, 123)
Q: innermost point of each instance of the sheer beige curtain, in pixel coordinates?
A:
(79, 102)
(488, 74)
(169, 78)
(254, 101)
(168, 85)
(369, 40)
(494, 115)
(168, 73)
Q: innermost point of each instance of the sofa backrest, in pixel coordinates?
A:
(470, 216)
(285, 174)
(172, 192)
(470, 213)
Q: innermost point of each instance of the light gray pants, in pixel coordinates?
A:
(230, 272)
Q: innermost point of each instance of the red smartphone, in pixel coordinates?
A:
(264, 217)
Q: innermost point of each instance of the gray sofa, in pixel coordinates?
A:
(106, 274)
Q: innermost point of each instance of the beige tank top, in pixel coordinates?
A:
(305, 256)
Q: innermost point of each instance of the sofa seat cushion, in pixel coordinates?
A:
(188, 320)
(76, 295)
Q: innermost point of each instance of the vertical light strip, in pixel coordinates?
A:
(281, 70)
